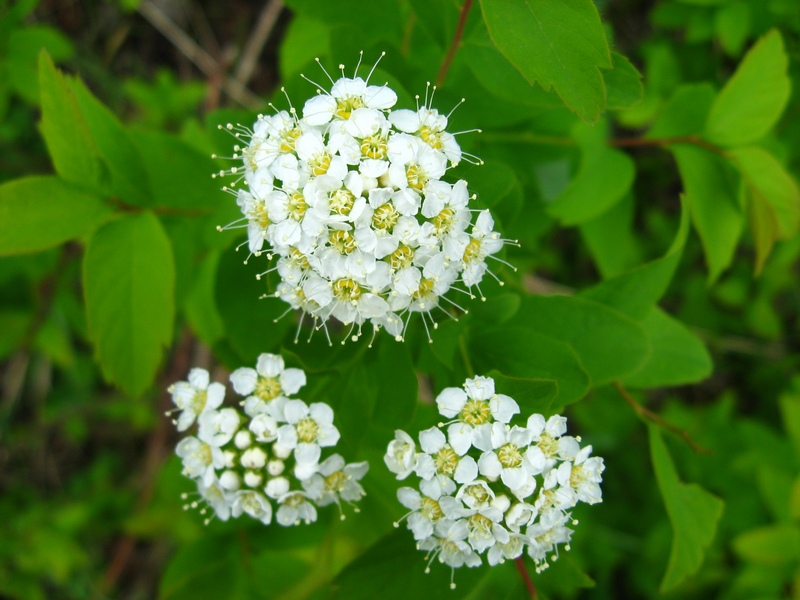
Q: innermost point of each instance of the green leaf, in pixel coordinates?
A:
(685, 113)
(772, 545)
(767, 182)
(532, 395)
(69, 142)
(693, 513)
(624, 87)
(199, 570)
(610, 344)
(305, 39)
(129, 278)
(732, 24)
(753, 99)
(397, 385)
(22, 53)
(636, 292)
(790, 411)
(560, 44)
(165, 155)
(249, 317)
(200, 308)
(129, 181)
(678, 356)
(610, 239)
(604, 177)
(523, 352)
(42, 212)
(715, 211)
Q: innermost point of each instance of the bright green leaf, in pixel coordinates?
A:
(560, 44)
(768, 182)
(610, 344)
(693, 513)
(678, 357)
(201, 570)
(22, 52)
(753, 99)
(715, 211)
(772, 545)
(305, 39)
(686, 112)
(41, 212)
(623, 84)
(732, 23)
(129, 278)
(636, 292)
(69, 142)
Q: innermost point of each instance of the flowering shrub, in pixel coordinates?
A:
(491, 488)
(243, 461)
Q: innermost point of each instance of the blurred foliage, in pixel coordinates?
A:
(645, 155)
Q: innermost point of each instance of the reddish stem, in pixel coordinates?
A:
(451, 53)
(526, 577)
(661, 142)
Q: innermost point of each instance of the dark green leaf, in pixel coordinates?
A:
(129, 278)
(685, 113)
(753, 99)
(693, 513)
(636, 292)
(532, 395)
(211, 567)
(559, 44)
(397, 386)
(715, 211)
(624, 87)
(44, 211)
(678, 356)
(732, 24)
(610, 239)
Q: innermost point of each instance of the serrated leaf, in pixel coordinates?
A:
(42, 212)
(678, 356)
(610, 344)
(716, 214)
(768, 182)
(129, 278)
(753, 99)
(129, 181)
(693, 513)
(624, 87)
(637, 291)
(69, 142)
(560, 44)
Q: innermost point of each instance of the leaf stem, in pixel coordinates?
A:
(663, 142)
(526, 577)
(646, 414)
(451, 53)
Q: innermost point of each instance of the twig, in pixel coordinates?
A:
(255, 43)
(451, 53)
(646, 414)
(202, 59)
(153, 459)
(662, 142)
(526, 577)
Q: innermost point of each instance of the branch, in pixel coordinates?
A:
(451, 53)
(202, 59)
(664, 142)
(646, 414)
(255, 43)
(526, 577)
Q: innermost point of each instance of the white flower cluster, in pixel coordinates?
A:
(351, 200)
(270, 452)
(489, 487)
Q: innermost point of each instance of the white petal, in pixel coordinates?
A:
(319, 109)
(460, 437)
(244, 380)
(321, 413)
(467, 470)
(307, 454)
(198, 378)
(269, 365)
(503, 407)
(432, 440)
(409, 497)
(292, 380)
(515, 478)
(294, 411)
(450, 401)
(480, 388)
(490, 466)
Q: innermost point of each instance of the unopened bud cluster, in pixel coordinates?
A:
(490, 488)
(351, 201)
(267, 450)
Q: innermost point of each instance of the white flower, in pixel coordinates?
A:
(217, 427)
(507, 461)
(335, 481)
(426, 508)
(294, 508)
(441, 459)
(195, 396)
(216, 497)
(346, 96)
(583, 475)
(199, 459)
(269, 379)
(252, 503)
(401, 455)
(308, 429)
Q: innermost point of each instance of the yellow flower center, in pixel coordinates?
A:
(297, 206)
(425, 288)
(298, 259)
(509, 456)
(307, 430)
(198, 402)
(346, 290)
(476, 412)
(432, 137)
(320, 163)
(268, 388)
(480, 524)
(342, 202)
(288, 138)
(477, 493)
(373, 146)
(446, 461)
(342, 241)
(347, 105)
(401, 258)
(444, 219)
(385, 216)
(295, 500)
(416, 177)
(548, 445)
(259, 215)
(335, 481)
(577, 476)
(430, 509)
(472, 251)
